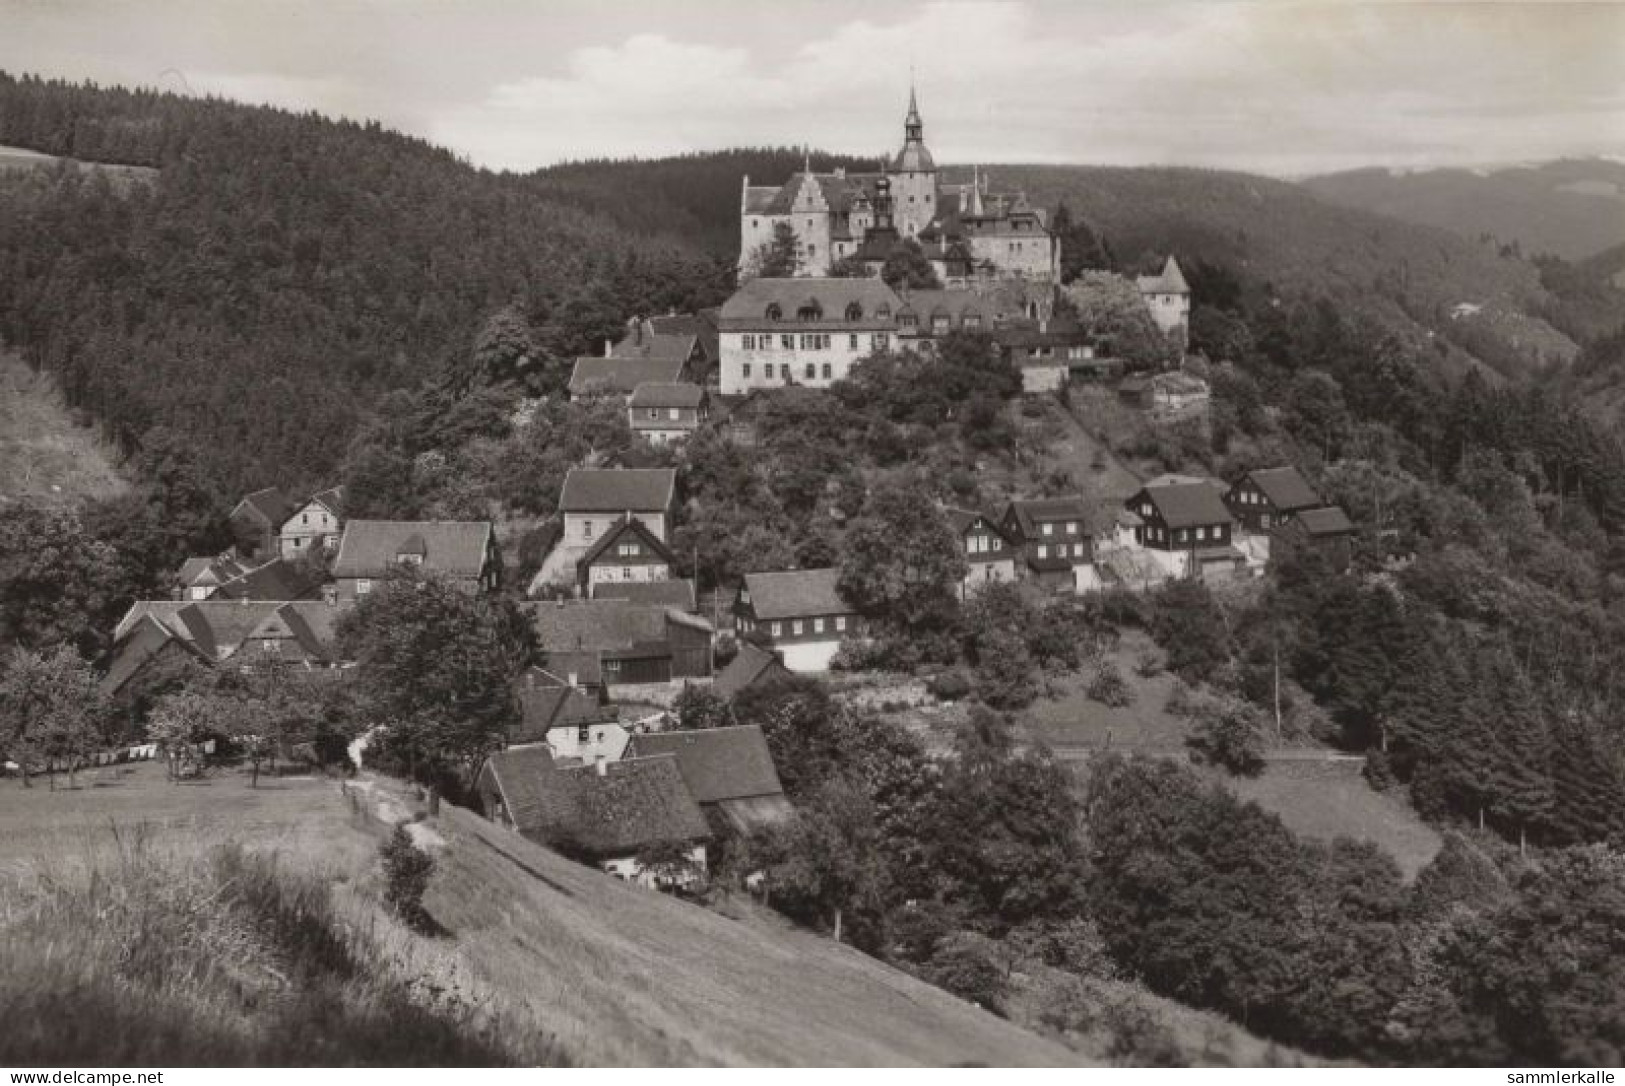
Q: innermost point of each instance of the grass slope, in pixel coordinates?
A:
(44, 454)
(542, 948)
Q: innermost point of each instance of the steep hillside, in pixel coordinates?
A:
(45, 454)
(282, 271)
(1572, 208)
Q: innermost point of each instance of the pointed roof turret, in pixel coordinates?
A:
(913, 158)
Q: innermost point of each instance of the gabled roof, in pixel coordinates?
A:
(209, 571)
(634, 804)
(796, 593)
(521, 776)
(953, 304)
(667, 394)
(750, 666)
(1170, 281)
(1185, 501)
(544, 707)
(748, 306)
(618, 490)
(576, 626)
(962, 520)
(217, 628)
(140, 642)
(1286, 488)
(1327, 520)
(677, 593)
(645, 340)
(1032, 512)
(619, 376)
(273, 580)
(717, 763)
(371, 548)
(629, 525)
(332, 498)
(271, 504)
(296, 640)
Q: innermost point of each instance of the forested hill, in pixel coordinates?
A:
(283, 270)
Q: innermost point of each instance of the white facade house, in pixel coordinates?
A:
(780, 332)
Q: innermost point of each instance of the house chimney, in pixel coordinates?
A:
(600, 764)
(608, 345)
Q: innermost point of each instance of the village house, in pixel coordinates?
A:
(626, 553)
(729, 772)
(256, 520)
(613, 815)
(605, 643)
(1185, 523)
(227, 578)
(665, 411)
(200, 578)
(675, 592)
(751, 666)
(237, 633)
(464, 552)
(799, 613)
(781, 332)
(672, 336)
(594, 500)
(575, 724)
(1264, 498)
(990, 553)
(1054, 537)
(613, 376)
(1168, 297)
(1327, 529)
(314, 524)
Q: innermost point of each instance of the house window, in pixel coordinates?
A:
(795, 627)
(1201, 533)
(939, 326)
(1071, 527)
(812, 370)
(1043, 551)
(748, 342)
(586, 529)
(671, 413)
(744, 370)
(626, 573)
(652, 413)
(304, 518)
(612, 665)
(362, 587)
(818, 625)
(788, 342)
(583, 733)
(828, 372)
(627, 550)
(1180, 538)
(852, 342)
(1047, 529)
(840, 622)
(776, 629)
(879, 341)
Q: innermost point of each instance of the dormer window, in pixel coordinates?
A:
(409, 559)
(883, 312)
(810, 313)
(854, 312)
(774, 313)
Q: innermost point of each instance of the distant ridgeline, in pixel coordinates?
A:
(284, 270)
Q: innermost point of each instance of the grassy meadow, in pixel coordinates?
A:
(45, 455)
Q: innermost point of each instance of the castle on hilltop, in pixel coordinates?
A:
(967, 232)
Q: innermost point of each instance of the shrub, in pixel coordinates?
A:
(968, 965)
(1148, 664)
(407, 870)
(949, 686)
(1139, 1037)
(1379, 770)
(1109, 688)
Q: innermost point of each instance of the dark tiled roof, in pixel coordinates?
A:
(1185, 503)
(621, 375)
(547, 707)
(634, 804)
(618, 490)
(1032, 512)
(1286, 488)
(218, 627)
(568, 626)
(962, 520)
(667, 394)
(746, 669)
(332, 498)
(270, 503)
(629, 525)
(205, 571)
(717, 763)
(522, 776)
(585, 666)
(955, 304)
(748, 306)
(274, 580)
(369, 548)
(795, 593)
(1329, 520)
(678, 593)
(142, 641)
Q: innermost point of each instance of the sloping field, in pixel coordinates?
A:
(614, 974)
(633, 977)
(44, 454)
(20, 158)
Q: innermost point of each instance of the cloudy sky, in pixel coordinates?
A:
(1271, 85)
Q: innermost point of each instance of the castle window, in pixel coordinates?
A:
(854, 312)
(774, 313)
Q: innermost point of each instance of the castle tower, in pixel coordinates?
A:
(913, 175)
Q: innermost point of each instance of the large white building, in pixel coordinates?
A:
(778, 332)
(967, 231)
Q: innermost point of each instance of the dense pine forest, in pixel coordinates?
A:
(282, 271)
